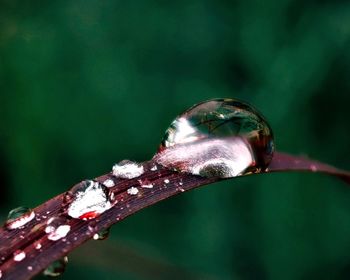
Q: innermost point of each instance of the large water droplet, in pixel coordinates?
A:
(218, 138)
(90, 199)
(56, 268)
(19, 217)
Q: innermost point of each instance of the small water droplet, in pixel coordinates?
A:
(217, 138)
(112, 197)
(313, 168)
(59, 232)
(154, 168)
(37, 245)
(56, 268)
(17, 212)
(19, 217)
(133, 191)
(109, 183)
(90, 200)
(19, 255)
(102, 234)
(54, 222)
(147, 186)
(127, 169)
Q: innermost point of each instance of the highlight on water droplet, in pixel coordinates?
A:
(56, 268)
(127, 169)
(90, 199)
(102, 234)
(19, 217)
(218, 138)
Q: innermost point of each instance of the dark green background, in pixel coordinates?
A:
(84, 84)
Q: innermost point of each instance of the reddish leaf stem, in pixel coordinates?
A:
(165, 183)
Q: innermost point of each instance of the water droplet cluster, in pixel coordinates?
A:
(90, 198)
(218, 138)
(57, 228)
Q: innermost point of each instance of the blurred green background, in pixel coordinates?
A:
(85, 84)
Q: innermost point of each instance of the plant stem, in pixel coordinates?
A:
(166, 183)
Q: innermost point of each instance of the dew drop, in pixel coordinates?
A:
(154, 168)
(217, 138)
(133, 191)
(109, 183)
(90, 200)
(56, 268)
(19, 256)
(37, 245)
(57, 228)
(147, 186)
(19, 217)
(127, 169)
(59, 233)
(54, 222)
(102, 234)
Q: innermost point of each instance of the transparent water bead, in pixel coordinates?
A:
(19, 255)
(53, 223)
(56, 268)
(218, 138)
(102, 234)
(127, 169)
(19, 217)
(90, 199)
